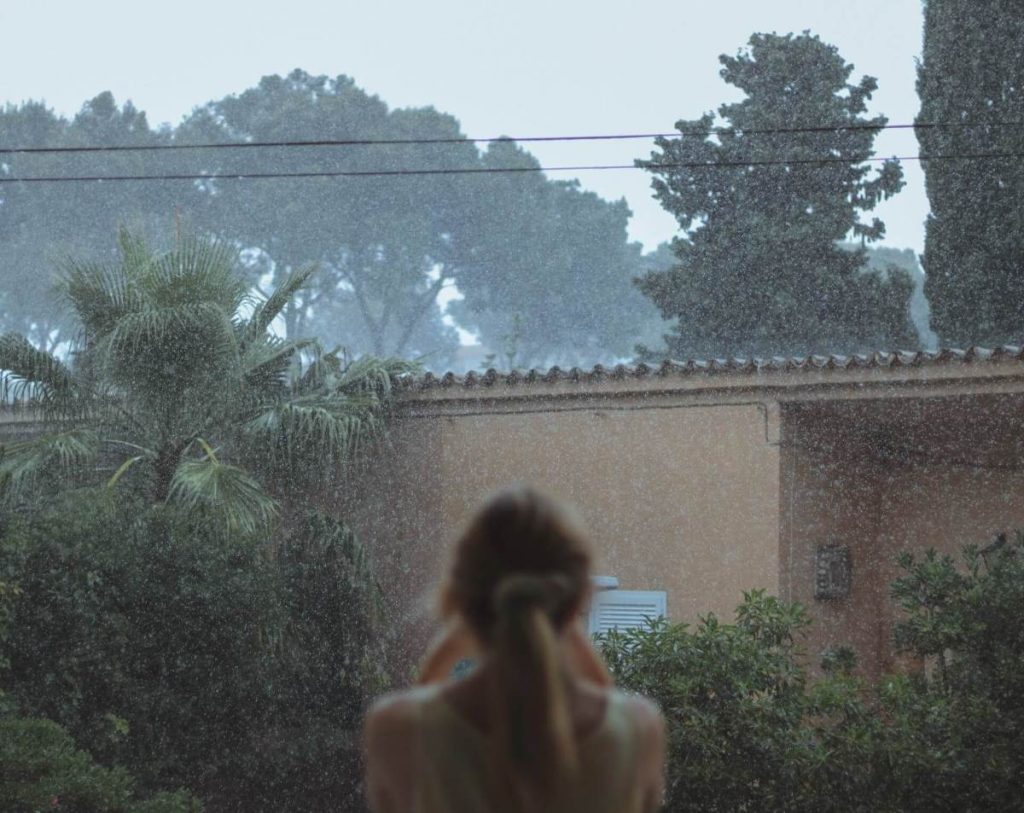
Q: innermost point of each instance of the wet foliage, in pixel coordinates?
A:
(235, 666)
(41, 768)
(750, 730)
(972, 72)
(759, 267)
(174, 602)
(543, 267)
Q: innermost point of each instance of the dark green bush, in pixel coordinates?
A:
(748, 731)
(41, 768)
(736, 702)
(237, 668)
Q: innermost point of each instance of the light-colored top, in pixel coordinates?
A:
(452, 771)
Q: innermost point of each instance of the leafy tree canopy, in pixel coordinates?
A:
(42, 224)
(516, 246)
(759, 270)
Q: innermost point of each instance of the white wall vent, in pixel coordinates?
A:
(625, 609)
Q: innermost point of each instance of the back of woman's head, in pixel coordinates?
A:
(521, 539)
(520, 576)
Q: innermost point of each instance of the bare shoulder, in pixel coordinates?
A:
(392, 717)
(389, 737)
(650, 726)
(647, 714)
(652, 747)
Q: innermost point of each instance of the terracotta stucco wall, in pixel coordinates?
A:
(831, 497)
(884, 478)
(676, 498)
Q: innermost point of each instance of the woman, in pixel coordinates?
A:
(537, 725)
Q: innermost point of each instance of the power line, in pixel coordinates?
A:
(382, 173)
(364, 142)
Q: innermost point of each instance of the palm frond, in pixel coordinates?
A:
(135, 251)
(30, 374)
(322, 371)
(325, 431)
(127, 464)
(99, 294)
(23, 463)
(371, 375)
(200, 270)
(266, 363)
(166, 343)
(224, 494)
(367, 375)
(266, 312)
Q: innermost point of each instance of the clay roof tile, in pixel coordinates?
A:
(833, 362)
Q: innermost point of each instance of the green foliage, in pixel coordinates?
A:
(168, 368)
(225, 493)
(883, 259)
(972, 72)
(383, 248)
(172, 603)
(195, 658)
(734, 697)
(966, 622)
(40, 464)
(42, 223)
(549, 276)
(32, 372)
(42, 769)
(759, 269)
(749, 731)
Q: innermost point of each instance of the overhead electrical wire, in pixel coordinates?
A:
(381, 173)
(363, 142)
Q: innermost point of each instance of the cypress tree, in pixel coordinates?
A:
(971, 81)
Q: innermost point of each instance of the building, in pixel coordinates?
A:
(698, 481)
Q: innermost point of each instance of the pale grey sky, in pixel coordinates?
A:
(517, 68)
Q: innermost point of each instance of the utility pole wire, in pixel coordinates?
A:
(365, 142)
(383, 173)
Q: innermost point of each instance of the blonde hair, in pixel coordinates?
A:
(520, 576)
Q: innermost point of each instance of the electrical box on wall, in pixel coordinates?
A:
(833, 572)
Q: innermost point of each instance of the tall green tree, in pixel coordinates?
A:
(759, 270)
(971, 82)
(517, 245)
(386, 246)
(548, 279)
(41, 224)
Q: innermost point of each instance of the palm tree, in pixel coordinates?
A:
(178, 389)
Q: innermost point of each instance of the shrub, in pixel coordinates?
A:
(735, 699)
(235, 667)
(42, 769)
(748, 731)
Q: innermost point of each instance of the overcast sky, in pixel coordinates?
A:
(502, 68)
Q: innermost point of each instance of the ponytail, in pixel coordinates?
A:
(534, 746)
(520, 576)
